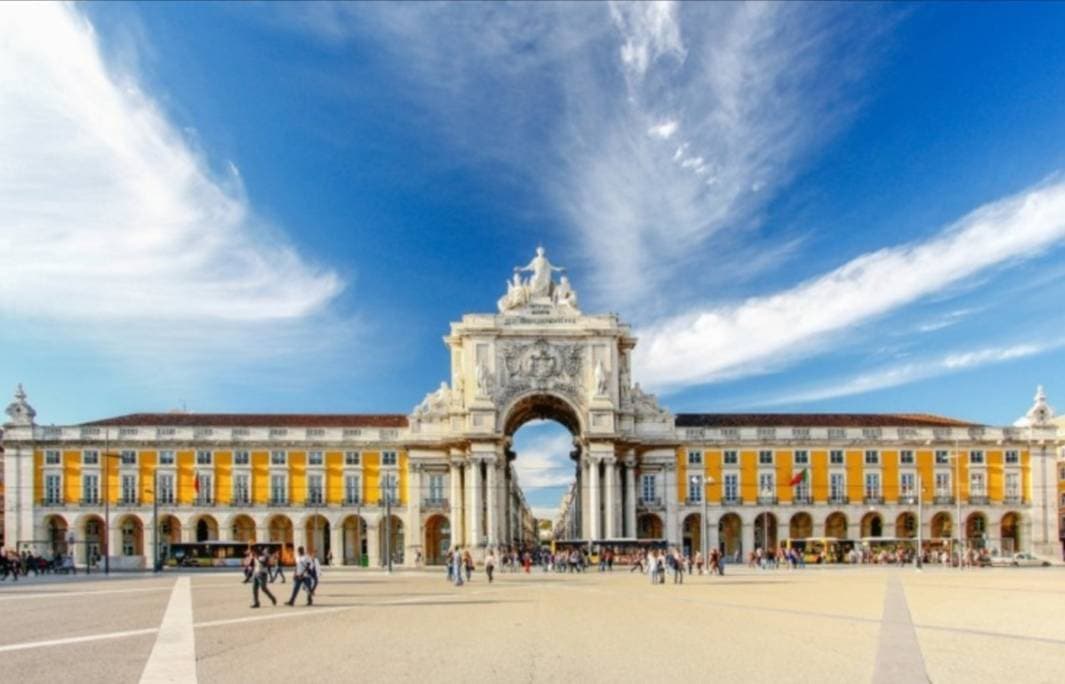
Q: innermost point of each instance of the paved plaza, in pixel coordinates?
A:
(820, 624)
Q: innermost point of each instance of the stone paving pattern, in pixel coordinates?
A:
(820, 624)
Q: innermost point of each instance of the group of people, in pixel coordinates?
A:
(656, 563)
(14, 564)
(261, 568)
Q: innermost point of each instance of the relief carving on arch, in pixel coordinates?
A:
(539, 365)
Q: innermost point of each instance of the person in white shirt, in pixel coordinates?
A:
(301, 577)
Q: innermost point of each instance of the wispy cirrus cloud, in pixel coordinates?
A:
(109, 213)
(901, 374)
(702, 346)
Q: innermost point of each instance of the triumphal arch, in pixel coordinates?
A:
(540, 357)
(363, 488)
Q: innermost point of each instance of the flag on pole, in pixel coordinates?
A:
(801, 477)
(196, 485)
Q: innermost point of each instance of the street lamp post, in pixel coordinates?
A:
(957, 502)
(386, 482)
(920, 491)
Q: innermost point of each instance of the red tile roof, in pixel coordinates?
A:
(285, 420)
(824, 420)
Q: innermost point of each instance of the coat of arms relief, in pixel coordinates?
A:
(539, 365)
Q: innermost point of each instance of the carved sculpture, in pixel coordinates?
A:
(646, 406)
(601, 379)
(539, 292)
(484, 380)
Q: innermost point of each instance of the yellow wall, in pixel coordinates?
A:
(961, 471)
(1026, 477)
(715, 471)
(401, 486)
(297, 477)
(38, 475)
(682, 473)
(819, 475)
(371, 476)
(334, 477)
(223, 476)
(855, 479)
(926, 472)
(784, 461)
(145, 469)
(749, 475)
(186, 474)
(72, 475)
(889, 475)
(996, 481)
(260, 477)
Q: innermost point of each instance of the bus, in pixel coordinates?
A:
(217, 554)
(821, 549)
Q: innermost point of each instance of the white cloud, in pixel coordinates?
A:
(109, 213)
(543, 461)
(650, 31)
(713, 343)
(902, 374)
(664, 130)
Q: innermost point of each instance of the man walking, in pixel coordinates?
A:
(276, 570)
(300, 578)
(261, 577)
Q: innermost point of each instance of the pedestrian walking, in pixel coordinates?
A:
(260, 565)
(300, 578)
(276, 569)
(456, 570)
(490, 565)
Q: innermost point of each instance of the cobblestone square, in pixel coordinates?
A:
(866, 624)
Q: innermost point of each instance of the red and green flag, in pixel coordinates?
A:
(802, 477)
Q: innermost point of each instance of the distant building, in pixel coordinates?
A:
(354, 486)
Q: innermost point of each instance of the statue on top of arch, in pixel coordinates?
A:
(539, 289)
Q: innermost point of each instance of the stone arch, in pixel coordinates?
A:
(437, 539)
(730, 534)
(872, 525)
(391, 538)
(204, 527)
(56, 531)
(242, 528)
(169, 529)
(801, 526)
(836, 525)
(906, 525)
(976, 530)
(1010, 532)
(691, 534)
(131, 536)
(942, 526)
(540, 404)
(89, 528)
(648, 526)
(316, 530)
(355, 551)
(765, 531)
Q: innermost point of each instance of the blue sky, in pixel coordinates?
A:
(281, 207)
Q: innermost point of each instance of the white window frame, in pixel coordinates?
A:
(283, 478)
(436, 487)
(206, 482)
(837, 492)
(241, 455)
(732, 487)
(762, 461)
(648, 483)
(837, 457)
(871, 457)
(167, 457)
(801, 457)
(389, 459)
(352, 458)
(349, 480)
(695, 489)
(1012, 457)
(767, 480)
(942, 476)
(320, 457)
(731, 457)
(907, 483)
(57, 478)
(977, 457)
(53, 457)
(127, 495)
(204, 457)
(166, 488)
(875, 491)
(127, 457)
(1014, 491)
(977, 477)
(942, 457)
(242, 487)
(907, 457)
(316, 489)
(278, 458)
(94, 491)
(90, 457)
(695, 457)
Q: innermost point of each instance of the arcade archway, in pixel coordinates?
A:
(437, 539)
(355, 551)
(730, 530)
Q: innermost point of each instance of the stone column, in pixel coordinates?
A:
(611, 497)
(631, 495)
(582, 494)
(225, 532)
(473, 507)
(593, 498)
(710, 529)
(455, 475)
(491, 501)
(336, 542)
(413, 535)
(748, 540)
(669, 497)
(373, 542)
